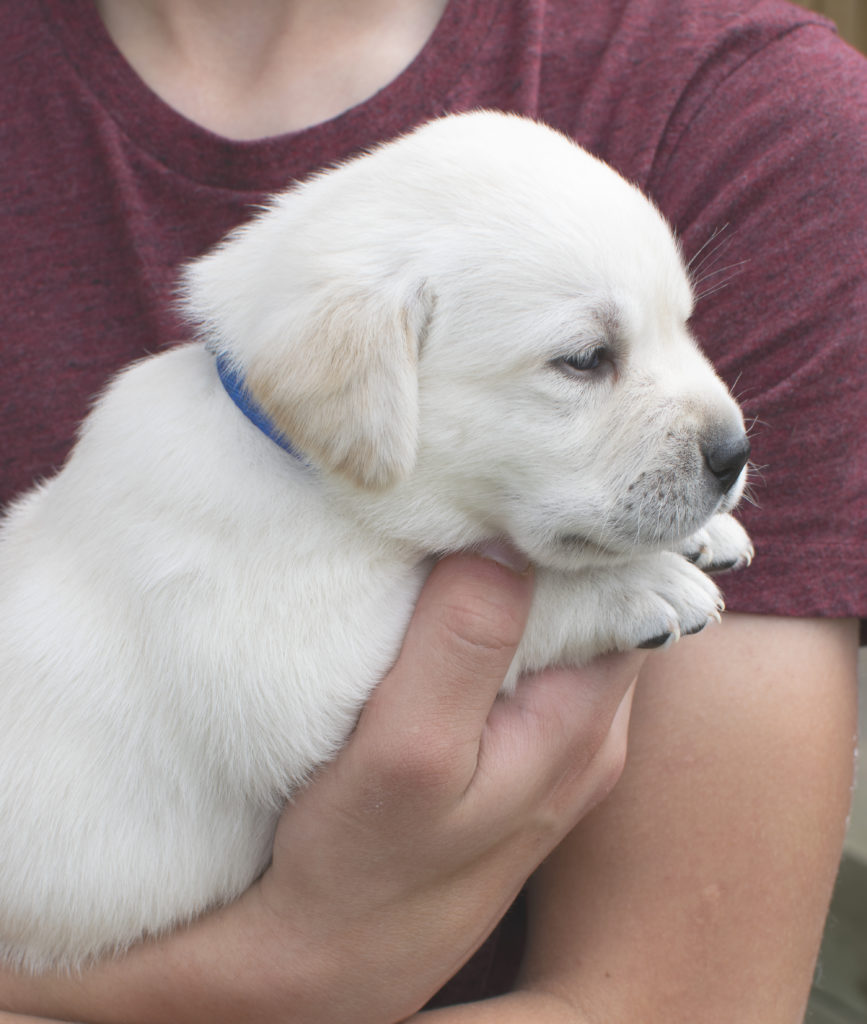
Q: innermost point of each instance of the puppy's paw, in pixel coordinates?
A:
(677, 600)
(722, 545)
(650, 601)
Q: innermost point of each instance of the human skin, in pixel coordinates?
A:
(395, 863)
(252, 70)
(698, 890)
(701, 883)
(702, 880)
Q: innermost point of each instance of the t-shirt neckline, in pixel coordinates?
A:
(189, 149)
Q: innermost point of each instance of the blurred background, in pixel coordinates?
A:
(850, 16)
(840, 988)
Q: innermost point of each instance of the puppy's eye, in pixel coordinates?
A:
(585, 361)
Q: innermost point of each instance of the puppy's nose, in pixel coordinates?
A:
(726, 459)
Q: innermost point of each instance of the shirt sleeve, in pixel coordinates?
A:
(764, 175)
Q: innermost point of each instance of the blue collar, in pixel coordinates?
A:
(236, 389)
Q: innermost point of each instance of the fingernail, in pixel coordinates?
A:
(503, 553)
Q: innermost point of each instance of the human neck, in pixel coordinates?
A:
(248, 69)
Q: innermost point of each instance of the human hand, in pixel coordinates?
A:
(403, 854)
(398, 859)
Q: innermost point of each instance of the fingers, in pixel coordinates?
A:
(435, 731)
(557, 747)
(435, 722)
(447, 796)
(458, 648)
(579, 791)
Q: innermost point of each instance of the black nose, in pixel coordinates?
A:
(727, 458)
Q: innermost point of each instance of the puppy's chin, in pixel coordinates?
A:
(570, 552)
(577, 545)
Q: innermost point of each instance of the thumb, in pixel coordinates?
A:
(461, 640)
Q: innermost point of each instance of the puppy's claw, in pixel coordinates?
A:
(696, 555)
(699, 628)
(739, 562)
(654, 643)
(721, 566)
(721, 546)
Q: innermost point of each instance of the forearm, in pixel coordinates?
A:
(210, 971)
(399, 858)
(237, 965)
(16, 1018)
(701, 885)
(514, 1008)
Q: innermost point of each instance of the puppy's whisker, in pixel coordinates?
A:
(706, 293)
(703, 271)
(750, 498)
(712, 291)
(720, 270)
(742, 394)
(695, 264)
(754, 423)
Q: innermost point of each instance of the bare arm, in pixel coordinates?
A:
(699, 889)
(393, 866)
(702, 881)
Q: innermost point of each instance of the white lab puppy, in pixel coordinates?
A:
(478, 331)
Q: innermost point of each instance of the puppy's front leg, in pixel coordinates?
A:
(648, 602)
(721, 545)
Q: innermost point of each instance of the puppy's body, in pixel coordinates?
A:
(185, 679)
(191, 618)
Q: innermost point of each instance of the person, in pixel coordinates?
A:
(135, 133)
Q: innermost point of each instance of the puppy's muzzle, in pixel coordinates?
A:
(726, 458)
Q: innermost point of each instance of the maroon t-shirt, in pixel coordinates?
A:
(745, 120)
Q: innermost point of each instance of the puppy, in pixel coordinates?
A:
(477, 331)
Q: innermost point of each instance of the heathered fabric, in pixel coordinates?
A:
(745, 120)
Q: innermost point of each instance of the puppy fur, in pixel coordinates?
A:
(477, 331)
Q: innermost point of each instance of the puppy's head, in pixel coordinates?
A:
(481, 330)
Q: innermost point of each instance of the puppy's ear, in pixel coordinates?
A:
(343, 388)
